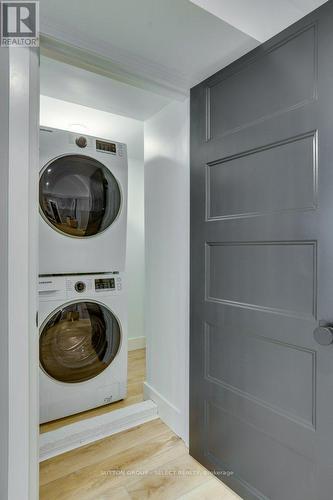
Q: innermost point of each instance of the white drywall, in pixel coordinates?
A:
(69, 116)
(167, 262)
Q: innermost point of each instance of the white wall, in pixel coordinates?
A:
(69, 116)
(167, 262)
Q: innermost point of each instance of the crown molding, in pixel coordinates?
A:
(112, 62)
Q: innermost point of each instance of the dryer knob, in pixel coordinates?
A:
(81, 142)
(80, 286)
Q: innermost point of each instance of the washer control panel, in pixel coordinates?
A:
(70, 287)
(98, 283)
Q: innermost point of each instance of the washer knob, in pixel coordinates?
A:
(80, 286)
(81, 141)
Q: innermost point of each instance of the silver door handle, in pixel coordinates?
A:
(324, 334)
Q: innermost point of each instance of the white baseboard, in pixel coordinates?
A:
(136, 343)
(87, 431)
(166, 411)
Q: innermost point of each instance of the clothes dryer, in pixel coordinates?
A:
(83, 203)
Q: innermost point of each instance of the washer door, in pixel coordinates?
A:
(78, 196)
(78, 342)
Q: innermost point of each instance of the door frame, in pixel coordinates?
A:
(18, 273)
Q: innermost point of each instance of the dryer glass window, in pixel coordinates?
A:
(78, 196)
(79, 342)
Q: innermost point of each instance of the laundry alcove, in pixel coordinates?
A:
(155, 131)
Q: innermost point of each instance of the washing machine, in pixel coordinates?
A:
(82, 343)
(82, 202)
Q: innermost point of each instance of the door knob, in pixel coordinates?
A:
(324, 334)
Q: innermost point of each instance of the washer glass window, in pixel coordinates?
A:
(78, 196)
(79, 341)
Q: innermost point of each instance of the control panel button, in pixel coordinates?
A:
(81, 142)
(80, 286)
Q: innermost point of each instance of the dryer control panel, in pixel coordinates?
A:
(73, 286)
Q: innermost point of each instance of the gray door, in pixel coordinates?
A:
(261, 406)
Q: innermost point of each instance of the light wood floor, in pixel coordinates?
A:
(136, 377)
(146, 462)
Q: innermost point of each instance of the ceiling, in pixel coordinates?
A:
(140, 54)
(172, 43)
(72, 84)
(260, 19)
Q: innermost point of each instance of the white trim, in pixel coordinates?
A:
(22, 406)
(136, 343)
(167, 411)
(4, 275)
(186, 373)
(34, 99)
(87, 431)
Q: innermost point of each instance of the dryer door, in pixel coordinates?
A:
(78, 196)
(79, 341)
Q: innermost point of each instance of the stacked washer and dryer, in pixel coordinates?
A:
(82, 290)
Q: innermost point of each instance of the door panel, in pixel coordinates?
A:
(284, 77)
(261, 387)
(229, 364)
(234, 184)
(252, 277)
(231, 439)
